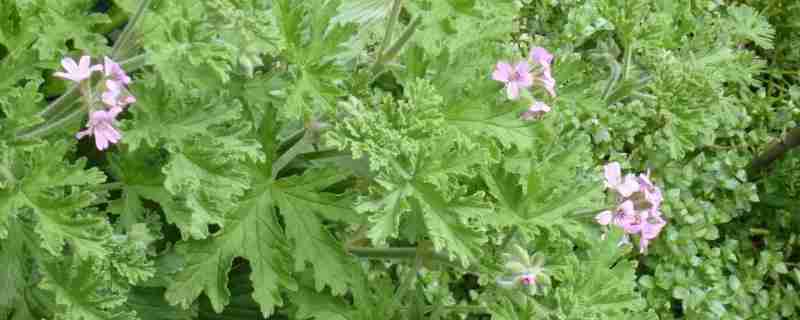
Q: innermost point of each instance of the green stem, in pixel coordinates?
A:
(612, 81)
(387, 37)
(775, 151)
(626, 64)
(405, 253)
(127, 32)
(69, 96)
(7, 174)
(47, 127)
(298, 148)
(108, 186)
(384, 57)
(322, 154)
(460, 309)
(290, 141)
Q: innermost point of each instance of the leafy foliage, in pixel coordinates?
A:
(342, 159)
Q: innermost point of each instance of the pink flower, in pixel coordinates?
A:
(544, 59)
(651, 192)
(604, 218)
(537, 109)
(527, 279)
(113, 96)
(515, 77)
(614, 180)
(624, 217)
(101, 127)
(77, 71)
(650, 228)
(113, 70)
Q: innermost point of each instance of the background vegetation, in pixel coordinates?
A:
(284, 160)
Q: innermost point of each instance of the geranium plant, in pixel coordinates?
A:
(402, 159)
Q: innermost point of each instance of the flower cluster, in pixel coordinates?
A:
(518, 76)
(639, 201)
(523, 271)
(103, 110)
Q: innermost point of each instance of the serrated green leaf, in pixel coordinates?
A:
(300, 205)
(79, 291)
(251, 232)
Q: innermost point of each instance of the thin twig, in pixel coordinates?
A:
(774, 152)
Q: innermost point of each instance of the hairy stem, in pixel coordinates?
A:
(774, 152)
(384, 57)
(387, 37)
(69, 96)
(109, 186)
(616, 71)
(127, 32)
(50, 126)
(406, 253)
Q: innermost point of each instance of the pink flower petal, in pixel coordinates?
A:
(629, 186)
(539, 106)
(527, 279)
(542, 56)
(84, 63)
(100, 141)
(604, 218)
(613, 173)
(69, 65)
(512, 90)
(67, 76)
(502, 72)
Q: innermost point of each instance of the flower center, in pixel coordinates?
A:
(528, 279)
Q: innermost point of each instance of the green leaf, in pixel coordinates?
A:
(149, 303)
(300, 205)
(51, 192)
(15, 270)
(747, 24)
(456, 24)
(81, 293)
(448, 226)
(316, 71)
(250, 231)
(362, 12)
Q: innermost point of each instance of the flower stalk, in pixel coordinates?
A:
(392, 52)
(393, 14)
(403, 253)
(127, 32)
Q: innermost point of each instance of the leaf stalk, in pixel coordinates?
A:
(390, 54)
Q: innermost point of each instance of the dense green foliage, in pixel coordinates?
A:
(342, 159)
